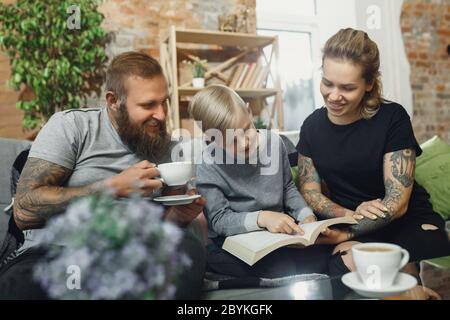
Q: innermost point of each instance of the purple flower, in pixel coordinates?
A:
(111, 250)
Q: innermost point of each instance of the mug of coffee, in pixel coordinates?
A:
(378, 263)
(175, 173)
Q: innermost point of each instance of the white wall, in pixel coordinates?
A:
(395, 67)
(332, 15)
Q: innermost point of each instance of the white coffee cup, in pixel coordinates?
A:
(379, 263)
(175, 173)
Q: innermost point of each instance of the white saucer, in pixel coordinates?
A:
(402, 283)
(177, 200)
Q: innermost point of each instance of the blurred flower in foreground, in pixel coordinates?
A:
(122, 249)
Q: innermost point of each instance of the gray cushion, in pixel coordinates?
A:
(291, 150)
(9, 150)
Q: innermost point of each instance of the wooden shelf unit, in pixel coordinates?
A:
(244, 45)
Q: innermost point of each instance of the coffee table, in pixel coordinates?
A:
(434, 274)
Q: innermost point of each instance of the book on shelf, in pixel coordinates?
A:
(249, 75)
(252, 246)
(260, 81)
(252, 80)
(235, 75)
(241, 76)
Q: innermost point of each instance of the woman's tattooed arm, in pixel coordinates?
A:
(398, 168)
(310, 188)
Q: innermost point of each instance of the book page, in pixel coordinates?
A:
(258, 240)
(313, 229)
(309, 229)
(252, 246)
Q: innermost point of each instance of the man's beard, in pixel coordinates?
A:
(137, 138)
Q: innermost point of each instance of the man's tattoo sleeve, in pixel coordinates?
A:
(40, 193)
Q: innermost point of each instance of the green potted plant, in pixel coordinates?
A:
(56, 53)
(259, 123)
(198, 73)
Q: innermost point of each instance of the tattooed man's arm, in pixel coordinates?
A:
(40, 193)
(310, 188)
(398, 169)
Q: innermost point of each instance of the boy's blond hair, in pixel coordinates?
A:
(216, 106)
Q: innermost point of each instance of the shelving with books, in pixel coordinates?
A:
(245, 62)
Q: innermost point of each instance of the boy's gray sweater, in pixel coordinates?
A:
(236, 193)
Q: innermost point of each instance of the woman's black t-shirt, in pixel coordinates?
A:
(349, 158)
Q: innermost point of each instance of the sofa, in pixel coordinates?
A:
(10, 149)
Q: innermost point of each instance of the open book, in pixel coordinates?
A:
(251, 247)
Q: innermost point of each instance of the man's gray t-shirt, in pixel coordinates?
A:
(83, 140)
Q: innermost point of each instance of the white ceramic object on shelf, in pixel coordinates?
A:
(198, 82)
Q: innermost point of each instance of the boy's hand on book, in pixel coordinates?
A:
(278, 222)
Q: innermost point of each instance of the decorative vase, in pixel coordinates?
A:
(198, 82)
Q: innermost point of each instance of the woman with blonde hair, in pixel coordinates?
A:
(363, 148)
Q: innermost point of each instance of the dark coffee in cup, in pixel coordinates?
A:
(375, 249)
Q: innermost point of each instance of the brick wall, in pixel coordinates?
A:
(140, 25)
(137, 25)
(426, 33)
(10, 116)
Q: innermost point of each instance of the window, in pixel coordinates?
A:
(294, 22)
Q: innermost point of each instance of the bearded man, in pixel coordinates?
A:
(86, 151)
